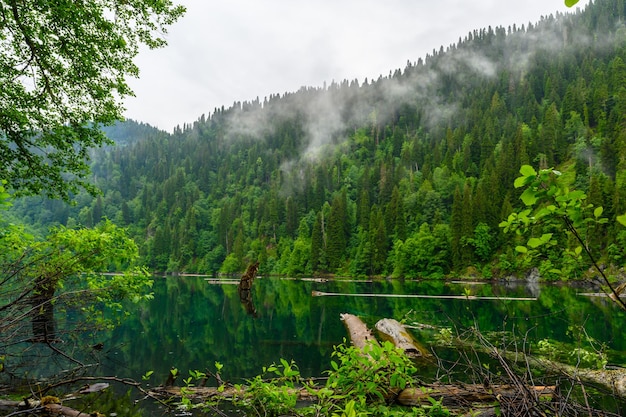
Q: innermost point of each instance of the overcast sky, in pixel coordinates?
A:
(236, 50)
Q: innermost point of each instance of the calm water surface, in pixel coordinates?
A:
(192, 322)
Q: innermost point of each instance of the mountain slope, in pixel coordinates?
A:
(406, 175)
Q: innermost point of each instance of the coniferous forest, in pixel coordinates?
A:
(407, 175)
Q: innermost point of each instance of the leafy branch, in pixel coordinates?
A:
(550, 202)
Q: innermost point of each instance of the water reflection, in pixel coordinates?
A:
(192, 323)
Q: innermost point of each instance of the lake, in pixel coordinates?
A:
(193, 322)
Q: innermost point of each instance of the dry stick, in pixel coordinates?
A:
(616, 296)
(125, 381)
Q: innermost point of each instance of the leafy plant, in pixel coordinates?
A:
(369, 376)
(550, 205)
(275, 396)
(361, 382)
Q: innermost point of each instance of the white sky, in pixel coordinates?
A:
(236, 50)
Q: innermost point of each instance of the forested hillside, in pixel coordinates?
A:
(407, 175)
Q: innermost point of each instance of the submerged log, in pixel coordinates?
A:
(360, 335)
(612, 379)
(464, 395)
(393, 331)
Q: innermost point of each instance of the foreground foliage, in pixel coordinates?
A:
(361, 382)
(485, 377)
(54, 293)
(558, 218)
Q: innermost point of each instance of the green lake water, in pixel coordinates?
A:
(192, 322)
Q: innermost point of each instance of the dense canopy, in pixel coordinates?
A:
(63, 71)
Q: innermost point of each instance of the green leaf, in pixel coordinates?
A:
(535, 242)
(520, 182)
(622, 219)
(577, 195)
(598, 212)
(527, 171)
(529, 197)
(570, 3)
(545, 238)
(521, 249)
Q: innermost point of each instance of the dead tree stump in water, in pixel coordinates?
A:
(245, 288)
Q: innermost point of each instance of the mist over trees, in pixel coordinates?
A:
(408, 175)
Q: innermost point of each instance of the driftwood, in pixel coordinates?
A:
(50, 405)
(455, 396)
(58, 409)
(451, 395)
(396, 333)
(612, 379)
(466, 395)
(360, 335)
(224, 392)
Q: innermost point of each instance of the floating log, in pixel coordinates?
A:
(360, 335)
(393, 331)
(436, 297)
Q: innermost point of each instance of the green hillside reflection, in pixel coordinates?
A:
(192, 323)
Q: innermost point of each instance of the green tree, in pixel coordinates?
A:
(337, 238)
(424, 254)
(65, 271)
(317, 243)
(377, 239)
(63, 71)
